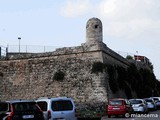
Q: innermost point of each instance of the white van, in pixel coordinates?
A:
(61, 108)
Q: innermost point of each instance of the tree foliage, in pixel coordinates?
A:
(141, 81)
(97, 67)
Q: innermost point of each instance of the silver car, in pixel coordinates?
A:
(158, 104)
(60, 108)
(155, 98)
(139, 105)
(150, 103)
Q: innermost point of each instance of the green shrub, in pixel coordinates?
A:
(122, 76)
(112, 78)
(59, 75)
(129, 57)
(141, 81)
(127, 91)
(97, 67)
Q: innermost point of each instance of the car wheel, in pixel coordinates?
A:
(146, 112)
(109, 116)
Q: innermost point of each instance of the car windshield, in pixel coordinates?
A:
(148, 100)
(62, 105)
(24, 106)
(135, 101)
(115, 102)
(156, 99)
(4, 107)
(42, 105)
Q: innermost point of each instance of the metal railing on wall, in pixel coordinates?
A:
(31, 48)
(4, 51)
(39, 49)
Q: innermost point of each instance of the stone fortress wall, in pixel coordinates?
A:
(29, 76)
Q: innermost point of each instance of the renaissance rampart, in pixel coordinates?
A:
(29, 76)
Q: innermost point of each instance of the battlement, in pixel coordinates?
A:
(84, 48)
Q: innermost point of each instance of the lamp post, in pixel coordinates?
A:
(19, 38)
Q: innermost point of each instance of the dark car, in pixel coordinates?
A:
(4, 110)
(21, 110)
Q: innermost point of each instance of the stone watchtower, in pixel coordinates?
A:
(94, 33)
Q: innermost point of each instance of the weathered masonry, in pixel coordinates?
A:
(28, 76)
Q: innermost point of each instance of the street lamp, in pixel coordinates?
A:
(19, 38)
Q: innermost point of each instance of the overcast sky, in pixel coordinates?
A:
(128, 25)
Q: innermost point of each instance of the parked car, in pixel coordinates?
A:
(139, 105)
(150, 103)
(155, 98)
(21, 110)
(119, 106)
(61, 108)
(4, 110)
(158, 104)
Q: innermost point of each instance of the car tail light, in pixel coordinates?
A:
(10, 116)
(11, 113)
(110, 107)
(98, 115)
(49, 114)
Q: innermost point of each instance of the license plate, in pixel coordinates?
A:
(28, 116)
(116, 108)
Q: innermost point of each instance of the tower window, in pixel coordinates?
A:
(96, 26)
